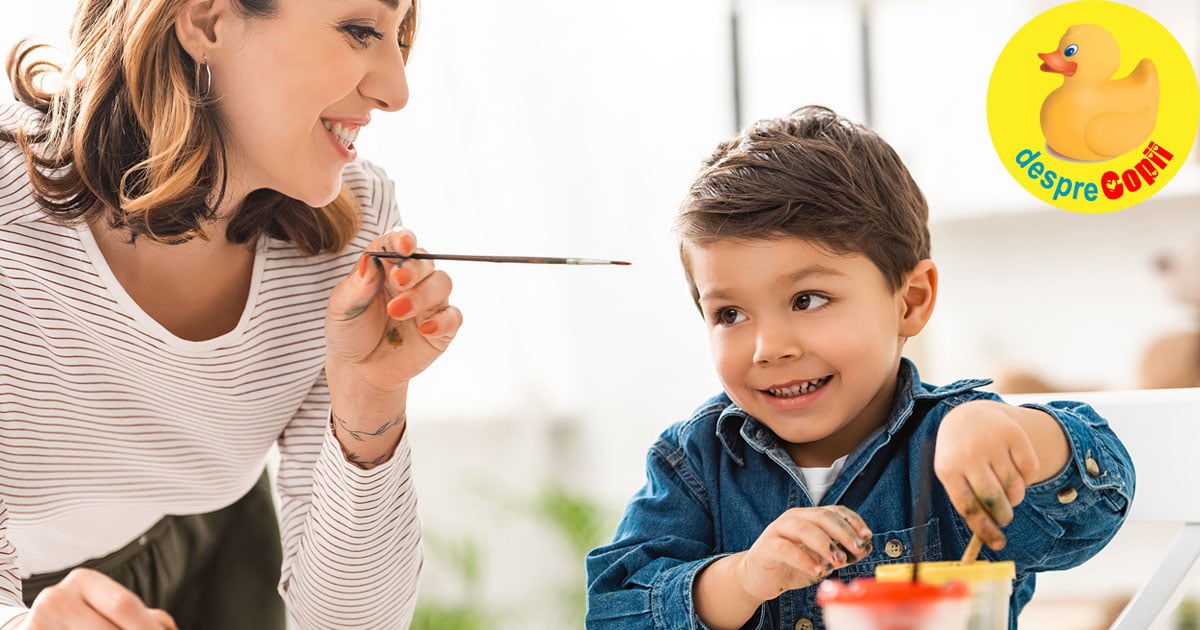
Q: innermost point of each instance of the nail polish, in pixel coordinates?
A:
(399, 307)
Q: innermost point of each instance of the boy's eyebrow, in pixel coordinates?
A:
(808, 272)
(792, 278)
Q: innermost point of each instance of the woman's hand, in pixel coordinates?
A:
(391, 318)
(384, 325)
(90, 599)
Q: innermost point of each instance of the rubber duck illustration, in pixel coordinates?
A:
(1093, 116)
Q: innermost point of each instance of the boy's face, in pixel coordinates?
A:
(806, 341)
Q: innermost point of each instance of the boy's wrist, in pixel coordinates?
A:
(741, 580)
(720, 598)
(1048, 438)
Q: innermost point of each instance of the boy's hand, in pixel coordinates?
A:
(799, 548)
(796, 550)
(985, 459)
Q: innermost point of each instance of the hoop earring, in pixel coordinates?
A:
(203, 68)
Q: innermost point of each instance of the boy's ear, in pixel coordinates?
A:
(199, 24)
(918, 295)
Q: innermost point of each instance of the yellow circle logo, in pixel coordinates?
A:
(1093, 106)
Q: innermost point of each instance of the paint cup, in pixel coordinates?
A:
(990, 584)
(868, 604)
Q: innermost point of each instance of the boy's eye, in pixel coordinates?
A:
(729, 316)
(809, 301)
(362, 35)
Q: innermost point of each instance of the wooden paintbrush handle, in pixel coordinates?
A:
(973, 548)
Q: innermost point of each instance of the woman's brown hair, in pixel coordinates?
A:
(811, 175)
(130, 136)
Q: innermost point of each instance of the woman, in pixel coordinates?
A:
(182, 285)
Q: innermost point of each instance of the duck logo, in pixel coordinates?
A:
(1106, 119)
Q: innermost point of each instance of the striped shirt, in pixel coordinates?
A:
(108, 422)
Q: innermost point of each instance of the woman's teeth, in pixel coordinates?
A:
(347, 135)
(799, 388)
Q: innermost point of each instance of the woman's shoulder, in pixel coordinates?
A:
(17, 203)
(15, 115)
(375, 193)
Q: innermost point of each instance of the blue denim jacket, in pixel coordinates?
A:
(716, 480)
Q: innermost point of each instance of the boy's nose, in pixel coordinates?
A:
(775, 344)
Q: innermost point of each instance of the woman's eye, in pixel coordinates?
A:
(809, 301)
(363, 36)
(729, 316)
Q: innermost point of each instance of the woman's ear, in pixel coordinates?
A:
(196, 26)
(918, 295)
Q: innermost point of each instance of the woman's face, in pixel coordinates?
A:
(295, 89)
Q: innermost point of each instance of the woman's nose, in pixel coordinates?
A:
(386, 81)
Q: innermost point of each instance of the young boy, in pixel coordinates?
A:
(805, 243)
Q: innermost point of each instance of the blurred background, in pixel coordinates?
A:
(544, 127)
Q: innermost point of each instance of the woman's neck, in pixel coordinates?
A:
(197, 290)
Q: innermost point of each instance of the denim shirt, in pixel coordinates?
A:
(716, 480)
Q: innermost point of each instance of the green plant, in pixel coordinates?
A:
(575, 519)
(1187, 616)
(466, 611)
(582, 525)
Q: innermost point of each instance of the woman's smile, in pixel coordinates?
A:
(343, 134)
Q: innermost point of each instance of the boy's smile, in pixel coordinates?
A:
(806, 341)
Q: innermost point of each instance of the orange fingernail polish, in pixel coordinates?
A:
(401, 276)
(406, 242)
(399, 307)
(362, 266)
(428, 328)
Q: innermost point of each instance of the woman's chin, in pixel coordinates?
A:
(320, 198)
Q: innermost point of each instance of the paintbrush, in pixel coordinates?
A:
(539, 260)
(925, 489)
(972, 551)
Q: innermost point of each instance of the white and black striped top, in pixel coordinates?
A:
(108, 422)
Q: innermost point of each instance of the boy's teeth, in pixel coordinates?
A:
(799, 388)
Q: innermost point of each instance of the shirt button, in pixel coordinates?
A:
(142, 540)
(804, 624)
(894, 548)
(1092, 467)
(1067, 495)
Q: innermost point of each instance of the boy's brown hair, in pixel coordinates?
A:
(812, 175)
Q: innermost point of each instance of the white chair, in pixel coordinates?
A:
(1161, 429)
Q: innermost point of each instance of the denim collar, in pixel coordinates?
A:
(736, 428)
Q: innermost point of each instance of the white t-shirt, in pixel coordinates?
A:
(818, 480)
(108, 422)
